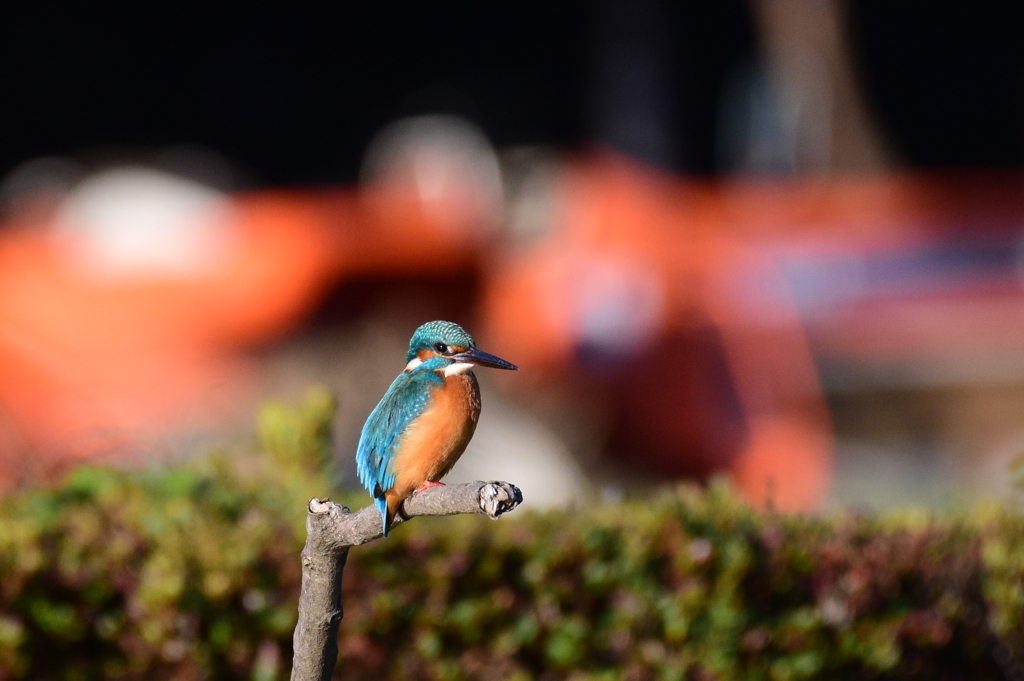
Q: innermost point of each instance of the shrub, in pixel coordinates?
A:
(176, 572)
(193, 572)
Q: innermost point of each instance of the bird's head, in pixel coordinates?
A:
(450, 348)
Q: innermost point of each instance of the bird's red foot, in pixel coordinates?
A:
(428, 484)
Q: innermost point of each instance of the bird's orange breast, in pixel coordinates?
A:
(436, 440)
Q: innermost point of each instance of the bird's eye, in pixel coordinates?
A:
(441, 347)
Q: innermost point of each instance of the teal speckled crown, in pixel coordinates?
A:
(432, 333)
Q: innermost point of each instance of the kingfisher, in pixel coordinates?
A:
(422, 425)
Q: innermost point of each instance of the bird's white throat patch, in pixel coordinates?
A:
(457, 368)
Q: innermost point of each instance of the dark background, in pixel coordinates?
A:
(293, 94)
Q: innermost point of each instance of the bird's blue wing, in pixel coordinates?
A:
(404, 401)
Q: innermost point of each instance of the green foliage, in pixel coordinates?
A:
(180, 572)
(690, 585)
(193, 572)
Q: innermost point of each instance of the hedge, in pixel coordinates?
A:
(192, 572)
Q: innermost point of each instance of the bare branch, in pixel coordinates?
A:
(331, 529)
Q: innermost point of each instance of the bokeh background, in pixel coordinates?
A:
(779, 241)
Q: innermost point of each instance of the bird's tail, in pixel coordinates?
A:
(382, 505)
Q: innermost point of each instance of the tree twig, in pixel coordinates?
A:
(331, 529)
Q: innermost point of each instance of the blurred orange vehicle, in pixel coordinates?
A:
(700, 315)
(103, 349)
(704, 312)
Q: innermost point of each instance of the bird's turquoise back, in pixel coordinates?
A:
(406, 399)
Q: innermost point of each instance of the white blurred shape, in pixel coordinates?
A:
(446, 161)
(132, 221)
(531, 181)
(511, 446)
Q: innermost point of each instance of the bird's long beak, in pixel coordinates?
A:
(484, 359)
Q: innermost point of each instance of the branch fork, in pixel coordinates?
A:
(332, 529)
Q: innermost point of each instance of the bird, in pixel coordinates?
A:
(422, 425)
